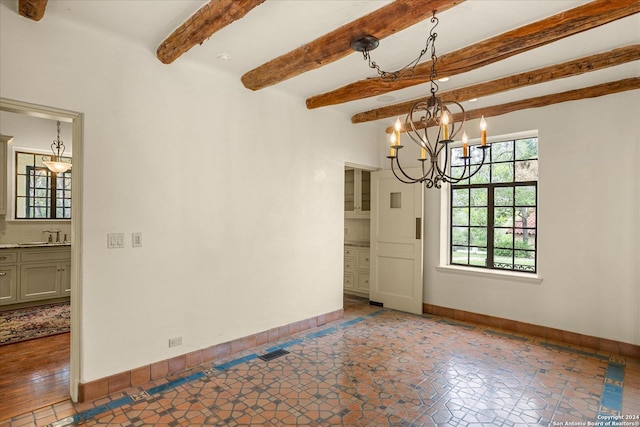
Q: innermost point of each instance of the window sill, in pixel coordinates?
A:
(534, 279)
(38, 220)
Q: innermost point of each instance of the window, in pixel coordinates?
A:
(493, 214)
(40, 193)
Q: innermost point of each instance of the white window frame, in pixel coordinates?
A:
(445, 265)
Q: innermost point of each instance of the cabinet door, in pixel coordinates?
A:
(8, 284)
(350, 191)
(365, 193)
(357, 193)
(65, 278)
(39, 281)
(4, 179)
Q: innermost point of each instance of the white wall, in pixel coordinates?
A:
(588, 225)
(237, 194)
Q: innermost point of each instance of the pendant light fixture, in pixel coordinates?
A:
(444, 119)
(57, 147)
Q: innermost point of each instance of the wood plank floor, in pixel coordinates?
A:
(33, 374)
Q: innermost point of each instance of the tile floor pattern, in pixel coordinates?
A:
(378, 367)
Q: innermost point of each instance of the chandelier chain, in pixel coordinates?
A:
(409, 69)
(58, 145)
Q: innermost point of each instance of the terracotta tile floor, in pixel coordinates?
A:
(379, 367)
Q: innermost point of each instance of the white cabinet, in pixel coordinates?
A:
(356, 270)
(362, 270)
(357, 193)
(65, 278)
(8, 277)
(35, 274)
(4, 178)
(39, 281)
(349, 268)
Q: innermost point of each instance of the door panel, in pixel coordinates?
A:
(396, 250)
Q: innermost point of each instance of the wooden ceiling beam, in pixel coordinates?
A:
(211, 17)
(541, 75)
(32, 9)
(632, 83)
(337, 44)
(519, 40)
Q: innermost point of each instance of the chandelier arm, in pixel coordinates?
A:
(418, 141)
(408, 179)
(410, 125)
(55, 148)
(480, 165)
(442, 171)
(455, 129)
(454, 180)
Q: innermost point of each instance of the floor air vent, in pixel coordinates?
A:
(273, 354)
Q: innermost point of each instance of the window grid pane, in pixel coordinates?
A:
(40, 193)
(500, 231)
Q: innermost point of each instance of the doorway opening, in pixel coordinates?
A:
(357, 231)
(75, 119)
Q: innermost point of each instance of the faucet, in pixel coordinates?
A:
(50, 239)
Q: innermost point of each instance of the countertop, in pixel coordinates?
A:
(32, 245)
(357, 244)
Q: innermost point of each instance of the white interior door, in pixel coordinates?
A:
(396, 243)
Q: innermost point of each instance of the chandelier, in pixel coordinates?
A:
(432, 124)
(57, 147)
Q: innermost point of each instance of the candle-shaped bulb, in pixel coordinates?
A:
(397, 127)
(483, 131)
(445, 124)
(392, 150)
(465, 147)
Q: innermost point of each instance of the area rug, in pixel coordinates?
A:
(34, 322)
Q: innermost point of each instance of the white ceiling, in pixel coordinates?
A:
(278, 26)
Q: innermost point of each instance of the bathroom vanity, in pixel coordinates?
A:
(34, 272)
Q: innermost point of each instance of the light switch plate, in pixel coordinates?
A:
(115, 240)
(136, 240)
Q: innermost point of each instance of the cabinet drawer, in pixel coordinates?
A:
(362, 282)
(7, 257)
(35, 255)
(349, 264)
(349, 251)
(348, 281)
(362, 258)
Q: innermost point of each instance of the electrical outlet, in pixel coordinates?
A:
(174, 342)
(136, 240)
